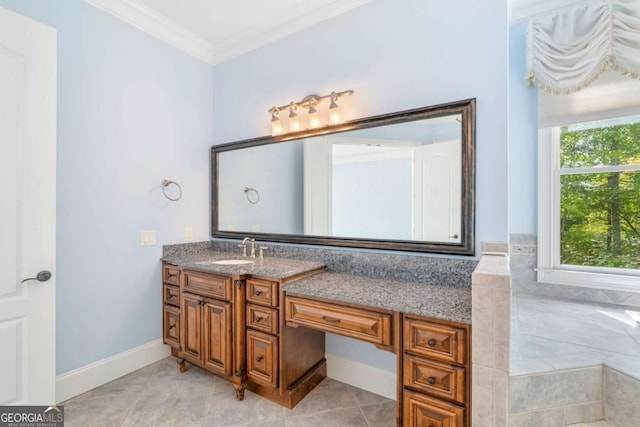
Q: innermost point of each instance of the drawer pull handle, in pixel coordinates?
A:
(170, 275)
(431, 342)
(331, 319)
(259, 359)
(258, 319)
(257, 293)
(431, 380)
(171, 327)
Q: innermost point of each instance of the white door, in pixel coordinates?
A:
(437, 192)
(27, 210)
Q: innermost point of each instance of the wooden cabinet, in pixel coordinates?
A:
(207, 323)
(171, 306)
(368, 325)
(247, 330)
(232, 327)
(423, 411)
(436, 378)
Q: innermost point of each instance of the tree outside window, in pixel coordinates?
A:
(600, 194)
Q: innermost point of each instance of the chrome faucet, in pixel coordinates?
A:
(243, 245)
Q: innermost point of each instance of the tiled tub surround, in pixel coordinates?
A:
(571, 361)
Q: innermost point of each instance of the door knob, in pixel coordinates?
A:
(43, 276)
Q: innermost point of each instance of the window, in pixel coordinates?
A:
(589, 204)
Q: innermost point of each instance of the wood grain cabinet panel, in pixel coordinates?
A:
(262, 358)
(192, 327)
(217, 336)
(423, 411)
(207, 284)
(171, 274)
(171, 326)
(171, 295)
(262, 292)
(437, 379)
(435, 341)
(262, 318)
(366, 325)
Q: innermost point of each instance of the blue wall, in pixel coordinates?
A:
(396, 56)
(131, 111)
(423, 53)
(523, 138)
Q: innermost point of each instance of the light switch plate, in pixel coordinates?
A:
(188, 234)
(147, 237)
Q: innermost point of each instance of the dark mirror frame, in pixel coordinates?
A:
(466, 246)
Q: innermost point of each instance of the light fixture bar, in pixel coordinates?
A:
(313, 99)
(309, 102)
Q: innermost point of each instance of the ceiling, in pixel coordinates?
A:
(218, 30)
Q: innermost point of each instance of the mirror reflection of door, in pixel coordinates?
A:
(437, 191)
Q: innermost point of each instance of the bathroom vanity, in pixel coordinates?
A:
(261, 327)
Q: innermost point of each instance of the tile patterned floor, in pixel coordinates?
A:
(552, 334)
(159, 395)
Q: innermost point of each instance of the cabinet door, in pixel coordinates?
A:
(192, 327)
(217, 336)
(262, 358)
(171, 326)
(424, 411)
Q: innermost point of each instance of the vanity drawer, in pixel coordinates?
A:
(171, 295)
(262, 292)
(262, 358)
(171, 326)
(171, 274)
(262, 318)
(435, 340)
(437, 379)
(208, 284)
(362, 324)
(424, 411)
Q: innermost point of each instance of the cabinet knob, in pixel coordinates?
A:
(259, 359)
(257, 293)
(258, 319)
(431, 342)
(431, 380)
(172, 326)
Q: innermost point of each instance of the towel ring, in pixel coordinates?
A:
(165, 184)
(253, 200)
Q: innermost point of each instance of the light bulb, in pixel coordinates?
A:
(334, 110)
(294, 121)
(276, 125)
(314, 120)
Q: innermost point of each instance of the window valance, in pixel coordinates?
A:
(570, 48)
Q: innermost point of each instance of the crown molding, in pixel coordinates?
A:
(264, 34)
(158, 26)
(526, 9)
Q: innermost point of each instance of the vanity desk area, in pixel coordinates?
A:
(261, 326)
(394, 186)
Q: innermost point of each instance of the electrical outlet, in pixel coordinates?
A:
(188, 234)
(147, 237)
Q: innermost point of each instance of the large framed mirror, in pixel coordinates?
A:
(401, 181)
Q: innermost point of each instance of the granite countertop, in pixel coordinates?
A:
(269, 267)
(440, 302)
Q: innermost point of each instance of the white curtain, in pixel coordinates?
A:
(570, 48)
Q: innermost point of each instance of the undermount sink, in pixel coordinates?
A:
(232, 262)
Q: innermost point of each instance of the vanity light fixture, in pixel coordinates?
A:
(310, 102)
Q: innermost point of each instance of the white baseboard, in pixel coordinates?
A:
(360, 375)
(88, 377)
